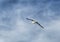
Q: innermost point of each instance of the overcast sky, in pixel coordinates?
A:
(15, 28)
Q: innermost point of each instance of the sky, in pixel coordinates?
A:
(15, 28)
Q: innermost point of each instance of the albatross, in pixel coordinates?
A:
(35, 22)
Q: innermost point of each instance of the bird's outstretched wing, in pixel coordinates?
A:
(40, 25)
(29, 19)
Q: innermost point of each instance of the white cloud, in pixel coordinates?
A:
(26, 32)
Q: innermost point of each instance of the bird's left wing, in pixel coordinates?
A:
(29, 19)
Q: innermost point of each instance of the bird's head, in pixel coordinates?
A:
(33, 22)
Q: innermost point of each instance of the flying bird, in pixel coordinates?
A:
(35, 22)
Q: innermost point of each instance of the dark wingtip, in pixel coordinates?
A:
(42, 26)
(26, 18)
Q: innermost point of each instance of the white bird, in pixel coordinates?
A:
(35, 22)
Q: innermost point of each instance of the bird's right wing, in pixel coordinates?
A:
(40, 25)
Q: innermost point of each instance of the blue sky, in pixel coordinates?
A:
(15, 28)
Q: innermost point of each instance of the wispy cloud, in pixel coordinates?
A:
(15, 28)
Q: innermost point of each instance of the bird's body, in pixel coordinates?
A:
(35, 22)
